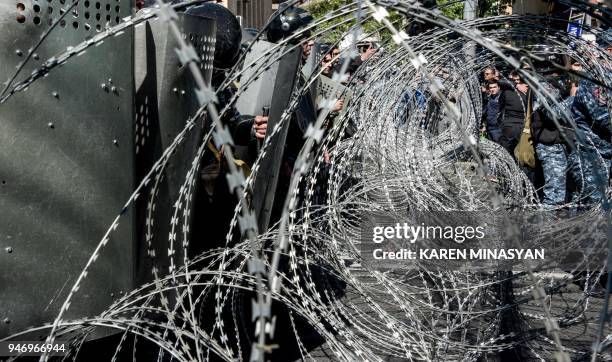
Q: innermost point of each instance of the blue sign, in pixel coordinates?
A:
(575, 28)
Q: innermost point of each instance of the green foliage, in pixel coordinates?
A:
(492, 7)
(319, 9)
(450, 8)
(454, 9)
(342, 24)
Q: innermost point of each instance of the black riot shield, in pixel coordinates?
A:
(257, 93)
(164, 102)
(312, 62)
(66, 162)
(265, 186)
(312, 66)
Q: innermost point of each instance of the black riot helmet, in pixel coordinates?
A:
(229, 34)
(285, 21)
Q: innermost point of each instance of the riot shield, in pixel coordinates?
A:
(165, 100)
(264, 189)
(313, 60)
(312, 66)
(66, 163)
(257, 76)
(327, 85)
(258, 93)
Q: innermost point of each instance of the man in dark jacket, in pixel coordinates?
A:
(513, 105)
(493, 112)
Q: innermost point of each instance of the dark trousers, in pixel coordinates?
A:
(494, 133)
(510, 135)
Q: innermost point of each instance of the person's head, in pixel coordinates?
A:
(576, 65)
(307, 48)
(367, 50)
(362, 46)
(332, 55)
(489, 73)
(519, 82)
(330, 60)
(514, 77)
(492, 87)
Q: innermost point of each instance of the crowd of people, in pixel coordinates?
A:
(571, 140)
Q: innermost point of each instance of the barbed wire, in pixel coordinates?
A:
(380, 155)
